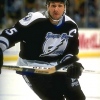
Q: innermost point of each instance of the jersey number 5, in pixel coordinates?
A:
(11, 31)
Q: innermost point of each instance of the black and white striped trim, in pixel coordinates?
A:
(4, 43)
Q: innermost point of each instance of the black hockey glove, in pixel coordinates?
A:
(75, 70)
(1, 59)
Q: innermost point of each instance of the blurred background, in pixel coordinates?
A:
(86, 13)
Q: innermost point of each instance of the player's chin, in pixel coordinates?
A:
(56, 17)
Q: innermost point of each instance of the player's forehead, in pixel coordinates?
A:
(56, 3)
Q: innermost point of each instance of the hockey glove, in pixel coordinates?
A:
(75, 70)
(1, 59)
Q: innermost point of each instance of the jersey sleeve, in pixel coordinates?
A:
(15, 34)
(10, 36)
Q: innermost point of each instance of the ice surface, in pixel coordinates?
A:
(13, 87)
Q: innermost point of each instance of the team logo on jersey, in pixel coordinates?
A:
(26, 20)
(28, 17)
(55, 44)
(74, 82)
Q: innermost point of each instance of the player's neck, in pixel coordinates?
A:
(54, 22)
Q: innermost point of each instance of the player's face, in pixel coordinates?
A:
(56, 10)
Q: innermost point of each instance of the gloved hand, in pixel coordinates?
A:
(75, 70)
(1, 59)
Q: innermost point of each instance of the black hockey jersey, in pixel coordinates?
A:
(41, 40)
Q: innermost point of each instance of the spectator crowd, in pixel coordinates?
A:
(86, 13)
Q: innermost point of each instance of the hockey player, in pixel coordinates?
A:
(47, 39)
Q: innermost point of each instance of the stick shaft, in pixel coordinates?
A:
(42, 70)
(92, 71)
(30, 69)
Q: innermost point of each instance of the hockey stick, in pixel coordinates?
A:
(84, 71)
(41, 70)
(92, 71)
(30, 69)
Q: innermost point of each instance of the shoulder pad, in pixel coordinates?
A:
(67, 18)
(30, 18)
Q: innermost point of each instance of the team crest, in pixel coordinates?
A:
(28, 17)
(55, 44)
(26, 20)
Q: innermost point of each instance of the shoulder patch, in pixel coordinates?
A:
(67, 18)
(30, 17)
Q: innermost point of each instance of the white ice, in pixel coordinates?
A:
(13, 87)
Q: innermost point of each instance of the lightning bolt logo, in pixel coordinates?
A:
(54, 46)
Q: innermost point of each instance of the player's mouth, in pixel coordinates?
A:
(56, 16)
